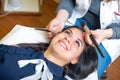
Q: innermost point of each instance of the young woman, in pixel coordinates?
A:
(102, 16)
(65, 49)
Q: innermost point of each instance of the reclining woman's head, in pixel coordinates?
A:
(69, 48)
(66, 46)
(88, 62)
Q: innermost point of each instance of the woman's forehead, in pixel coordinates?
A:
(78, 33)
(76, 30)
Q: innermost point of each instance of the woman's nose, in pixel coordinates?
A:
(70, 39)
(67, 39)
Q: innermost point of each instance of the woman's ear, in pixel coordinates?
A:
(74, 61)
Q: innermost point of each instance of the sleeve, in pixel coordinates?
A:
(7, 49)
(116, 30)
(68, 5)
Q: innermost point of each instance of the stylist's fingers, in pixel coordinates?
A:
(97, 35)
(88, 40)
(50, 35)
(52, 26)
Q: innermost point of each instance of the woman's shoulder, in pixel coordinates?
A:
(12, 49)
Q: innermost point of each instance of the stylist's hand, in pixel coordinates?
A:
(57, 24)
(99, 35)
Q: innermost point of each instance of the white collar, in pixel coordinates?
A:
(39, 74)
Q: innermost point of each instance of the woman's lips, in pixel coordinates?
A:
(63, 44)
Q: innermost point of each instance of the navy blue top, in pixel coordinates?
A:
(9, 69)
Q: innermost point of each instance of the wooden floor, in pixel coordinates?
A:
(48, 9)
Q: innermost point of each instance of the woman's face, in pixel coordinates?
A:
(68, 44)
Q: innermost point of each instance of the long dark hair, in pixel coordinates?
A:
(35, 46)
(88, 62)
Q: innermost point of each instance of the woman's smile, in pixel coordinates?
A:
(63, 44)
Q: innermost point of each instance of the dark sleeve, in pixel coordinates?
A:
(68, 5)
(7, 49)
(116, 30)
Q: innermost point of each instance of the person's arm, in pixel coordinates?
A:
(116, 30)
(10, 49)
(67, 5)
(99, 35)
(57, 24)
(5, 49)
(64, 11)
(111, 32)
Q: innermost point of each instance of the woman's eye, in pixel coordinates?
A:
(78, 43)
(68, 32)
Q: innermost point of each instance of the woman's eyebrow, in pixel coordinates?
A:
(70, 31)
(80, 41)
(77, 38)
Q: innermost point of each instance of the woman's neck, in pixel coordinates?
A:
(51, 56)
